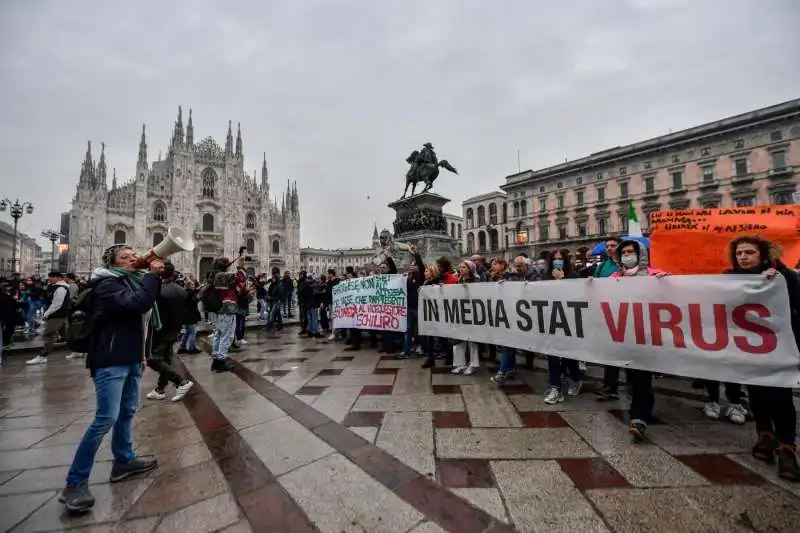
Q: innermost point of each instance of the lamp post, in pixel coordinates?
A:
(52, 235)
(16, 209)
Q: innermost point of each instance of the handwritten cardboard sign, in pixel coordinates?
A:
(375, 302)
(696, 241)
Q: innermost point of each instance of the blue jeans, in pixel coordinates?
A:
(262, 309)
(274, 318)
(117, 390)
(508, 359)
(189, 340)
(411, 322)
(557, 366)
(287, 304)
(226, 329)
(313, 321)
(30, 312)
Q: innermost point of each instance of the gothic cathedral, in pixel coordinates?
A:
(198, 187)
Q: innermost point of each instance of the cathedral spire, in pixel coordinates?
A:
(229, 141)
(87, 169)
(142, 161)
(239, 140)
(114, 179)
(264, 172)
(295, 199)
(177, 135)
(100, 178)
(190, 131)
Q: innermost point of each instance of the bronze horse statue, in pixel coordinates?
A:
(424, 169)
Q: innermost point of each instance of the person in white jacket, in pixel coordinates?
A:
(55, 315)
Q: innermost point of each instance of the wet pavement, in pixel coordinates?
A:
(304, 437)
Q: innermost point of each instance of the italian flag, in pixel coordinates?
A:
(634, 228)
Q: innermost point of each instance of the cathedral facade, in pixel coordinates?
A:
(199, 187)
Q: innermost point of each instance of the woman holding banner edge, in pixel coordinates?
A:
(773, 407)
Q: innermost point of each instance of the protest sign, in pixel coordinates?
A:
(696, 241)
(725, 328)
(375, 302)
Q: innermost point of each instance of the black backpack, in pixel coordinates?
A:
(81, 322)
(212, 302)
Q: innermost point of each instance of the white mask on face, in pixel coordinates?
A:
(629, 261)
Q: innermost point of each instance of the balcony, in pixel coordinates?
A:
(207, 236)
(742, 179)
(623, 200)
(781, 173)
(677, 191)
(649, 195)
(708, 185)
(679, 204)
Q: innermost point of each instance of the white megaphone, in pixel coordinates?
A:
(177, 240)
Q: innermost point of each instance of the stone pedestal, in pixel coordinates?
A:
(419, 220)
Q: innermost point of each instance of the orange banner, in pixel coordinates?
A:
(696, 241)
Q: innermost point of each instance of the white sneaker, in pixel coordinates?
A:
(712, 410)
(553, 396)
(737, 414)
(470, 370)
(155, 395)
(38, 360)
(242, 341)
(458, 369)
(75, 355)
(182, 390)
(574, 388)
(332, 337)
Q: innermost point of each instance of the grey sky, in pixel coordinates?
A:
(338, 93)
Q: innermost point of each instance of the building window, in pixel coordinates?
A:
(740, 166)
(481, 216)
(623, 171)
(776, 136)
(523, 208)
(505, 212)
(648, 165)
(623, 222)
(494, 240)
(579, 180)
(544, 231)
(562, 231)
(705, 151)
(602, 226)
(598, 176)
(579, 198)
(542, 204)
(541, 189)
(708, 173)
(119, 237)
(250, 245)
(250, 221)
(470, 243)
(516, 209)
(748, 201)
(582, 229)
(493, 213)
(559, 185)
(159, 212)
(276, 247)
(209, 183)
(649, 188)
(208, 222)
(623, 189)
(470, 219)
(782, 198)
(521, 236)
(452, 230)
(601, 194)
(157, 238)
(778, 160)
(481, 241)
(738, 144)
(710, 204)
(677, 180)
(560, 201)
(676, 158)
(459, 232)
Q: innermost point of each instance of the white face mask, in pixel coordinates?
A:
(629, 261)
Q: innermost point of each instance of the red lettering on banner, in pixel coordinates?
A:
(657, 325)
(638, 323)
(768, 337)
(720, 341)
(616, 329)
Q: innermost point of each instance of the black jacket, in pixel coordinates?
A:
(191, 314)
(414, 282)
(171, 306)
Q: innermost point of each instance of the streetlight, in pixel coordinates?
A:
(52, 235)
(16, 209)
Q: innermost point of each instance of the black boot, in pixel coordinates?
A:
(764, 450)
(787, 463)
(221, 365)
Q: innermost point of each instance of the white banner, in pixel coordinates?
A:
(375, 302)
(724, 328)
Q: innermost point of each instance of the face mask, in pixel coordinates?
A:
(629, 261)
(558, 264)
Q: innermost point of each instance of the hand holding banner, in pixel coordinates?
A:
(375, 302)
(724, 328)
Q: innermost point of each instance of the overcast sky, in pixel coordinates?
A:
(339, 93)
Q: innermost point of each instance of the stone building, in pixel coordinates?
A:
(201, 187)
(455, 227)
(743, 160)
(27, 252)
(485, 216)
(318, 260)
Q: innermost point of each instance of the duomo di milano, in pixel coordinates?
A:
(201, 188)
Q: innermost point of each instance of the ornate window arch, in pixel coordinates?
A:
(276, 246)
(493, 213)
(250, 221)
(208, 222)
(120, 237)
(470, 242)
(250, 245)
(481, 216)
(481, 241)
(209, 178)
(470, 219)
(159, 212)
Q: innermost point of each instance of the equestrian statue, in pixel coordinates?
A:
(424, 168)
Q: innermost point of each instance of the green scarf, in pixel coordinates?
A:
(135, 278)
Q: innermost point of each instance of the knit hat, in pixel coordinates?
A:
(110, 254)
(473, 268)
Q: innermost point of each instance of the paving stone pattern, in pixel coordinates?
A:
(303, 437)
